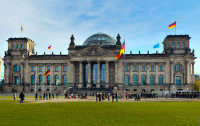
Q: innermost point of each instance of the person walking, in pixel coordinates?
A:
(46, 96)
(36, 96)
(113, 97)
(108, 96)
(21, 96)
(97, 96)
(14, 96)
(43, 96)
(49, 96)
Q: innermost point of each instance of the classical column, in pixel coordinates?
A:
(45, 78)
(98, 74)
(80, 85)
(116, 78)
(107, 74)
(52, 75)
(130, 75)
(89, 74)
(156, 74)
(186, 72)
(148, 77)
(36, 74)
(192, 73)
(139, 75)
(60, 75)
(172, 72)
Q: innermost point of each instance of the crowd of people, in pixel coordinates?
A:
(45, 95)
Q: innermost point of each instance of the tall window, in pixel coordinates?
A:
(178, 80)
(32, 68)
(13, 46)
(178, 45)
(48, 80)
(126, 80)
(143, 68)
(143, 80)
(135, 80)
(94, 74)
(48, 67)
(178, 67)
(56, 79)
(160, 80)
(126, 68)
(64, 68)
(33, 79)
(17, 68)
(16, 80)
(182, 44)
(161, 68)
(173, 44)
(64, 80)
(40, 68)
(40, 79)
(17, 46)
(134, 68)
(103, 74)
(152, 68)
(85, 74)
(22, 46)
(56, 68)
(152, 80)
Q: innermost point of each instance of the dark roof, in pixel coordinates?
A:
(10, 39)
(173, 36)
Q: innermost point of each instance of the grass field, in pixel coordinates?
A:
(101, 113)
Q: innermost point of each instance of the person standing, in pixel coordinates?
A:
(57, 95)
(49, 96)
(21, 96)
(113, 97)
(53, 95)
(97, 96)
(14, 95)
(43, 96)
(116, 95)
(46, 96)
(108, 96)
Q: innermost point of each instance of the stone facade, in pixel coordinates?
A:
(93, 67)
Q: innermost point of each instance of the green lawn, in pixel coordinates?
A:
(105, 113)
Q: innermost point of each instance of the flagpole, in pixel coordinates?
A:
(35, 82)
(124, 67)
(175, 29)
(50, 80)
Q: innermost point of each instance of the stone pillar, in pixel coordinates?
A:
(186, 72)
(80, 85)
(98, 74)
(148, 77)
(156, 77)
(60, 75)
(107, 74)
(52, 74)
(172, 73)
(130, 75)
(36, 74)
(116, 78)
(192, 78)
(22, 73)
(89, 75)
(139, 75)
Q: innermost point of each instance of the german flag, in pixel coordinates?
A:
(47, 73)
(120, 52)
(49, 47)
(21, 29)
(173, 25)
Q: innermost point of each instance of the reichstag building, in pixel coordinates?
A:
(93, 67)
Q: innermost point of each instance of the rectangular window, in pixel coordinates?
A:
(182, 44)
(48, 67)
(126, 68)
(161, 68)
(134, 68)
(56, 68)
(178, 80)
(152, 68)
(143, 68)
(178, 45)
(126, 80)
(135, 80)
(64, 68)
(32, 68)
(16, 80)
(40, 68)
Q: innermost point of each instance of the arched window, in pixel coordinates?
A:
(160, 80)
(64, 80)
(143, 80)
(152, 80)
(40, 79)
(178, 45)
(56, 79)
(48, 80)
(17, 68)
(33, 79)
(17, 46)
(178, 67)
(13, 46)
(22, 46)
(135, 80)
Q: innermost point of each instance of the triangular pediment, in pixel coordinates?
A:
(94, 50)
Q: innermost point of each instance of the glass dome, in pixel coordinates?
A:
(100, 39)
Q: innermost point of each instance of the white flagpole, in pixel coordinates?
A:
(124, 67)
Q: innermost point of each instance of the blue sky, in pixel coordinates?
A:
(142, 23)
